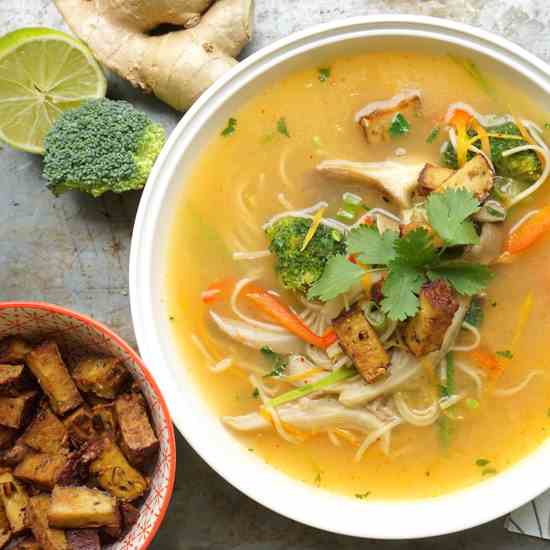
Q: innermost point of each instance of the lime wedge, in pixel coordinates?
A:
(43, 72)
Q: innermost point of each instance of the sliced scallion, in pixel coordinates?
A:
(352, 199)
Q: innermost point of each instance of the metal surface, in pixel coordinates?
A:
(74, 251)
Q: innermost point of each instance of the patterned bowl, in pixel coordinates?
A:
(76, 334)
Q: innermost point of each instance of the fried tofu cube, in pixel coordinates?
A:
(15, 501)
(377, 117)
(103, 376)
(138, 440)
(83, 539)
(5, 531)
(104, 420)
(13, 350)
(425, 332)
(46, 433)
(476, 176)
(76, 507)
(49, 369)
(13, 379)
(361, 343)
(41, 469)
(432, 177)
(14, 411)
(79, 425)
(14, 455)
(114, 474)
(48, 537)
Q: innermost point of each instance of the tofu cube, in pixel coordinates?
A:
(15, 411)
(15, 501)
(103, 376)
(48, 537)
(41, 469)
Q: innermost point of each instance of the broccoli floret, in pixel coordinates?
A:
(299, 270)
(524, 167)
(103, 145)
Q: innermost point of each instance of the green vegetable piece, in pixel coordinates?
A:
(507, 354)
(299, 270)
(473, 71)
(278, 362)
(466, 278)
(352, 199)
(338, 277)
(343, 373)
(324, 74)
(400, 291)
(481, 462)
(450, 367)
(489, 472)
(546, 125)
(445, 429)
(282, 127)
(416, 248)
(474, 315)
(362, 496)
(372, 247)
(448, 213)
(103, 145)
(399, 126)
(230, 128)
(345, 215)
(433, 134)
(472, 403)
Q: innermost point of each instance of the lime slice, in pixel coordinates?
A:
(43, 72)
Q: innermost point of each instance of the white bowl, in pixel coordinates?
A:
(202, 429)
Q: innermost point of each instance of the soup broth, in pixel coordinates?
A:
(263, 165)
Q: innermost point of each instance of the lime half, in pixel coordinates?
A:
(43, 72)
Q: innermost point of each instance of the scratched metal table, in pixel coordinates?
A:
(74, 251)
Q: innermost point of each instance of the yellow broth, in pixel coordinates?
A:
(234, 189)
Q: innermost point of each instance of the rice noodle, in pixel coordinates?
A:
(272, 412)
(521, 386)
(251, 255)
(374, 436)
(522, 220)
(333, 438)
(282, 168)
(254, 322)
(341, 362)
(416, 417)
(222, 365)
(334, 350)
(544, 152)
(281, 197)
(473, 373)
(474, 344)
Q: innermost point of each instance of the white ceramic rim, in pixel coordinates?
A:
(377, 519)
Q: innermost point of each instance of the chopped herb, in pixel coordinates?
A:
(548, 413)
(472, 403)
(372, 247)
(345, 215)
(317, 479)
(493, 303)
(171, 318)
(352, 199)
(268, 138)
(474, 315)
(489, 472)
(482, 462)
(230, 128)
(316, 142)
(324, 74)
(547, 125)
(338, 277)
(336, 235)
(433, 134)
(282, 127)
(507, 354)
(256, 393)
(250, 449)
(362, 496)
(278, 362)
(399, 126)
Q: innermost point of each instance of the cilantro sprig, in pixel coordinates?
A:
(411, 260)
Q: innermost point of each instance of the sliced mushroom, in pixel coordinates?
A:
(394, 179)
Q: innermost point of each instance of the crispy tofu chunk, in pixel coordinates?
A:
(83, 539)
(103, 376)
(47, 365)
(104, 420)
(432, 177)
(77, 507)
(79, 425)
(13, 379)
(13, 350)
(138, 440)
(15, 501)
(48, 537)
(14, 455)
(114, 474)
(424, 333)
(41, 469)
(361, 343)
(46, 433)
(5, 531)
(476, 176)
(376, 118)
(15, 411)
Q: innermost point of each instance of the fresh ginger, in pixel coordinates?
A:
(200, 45)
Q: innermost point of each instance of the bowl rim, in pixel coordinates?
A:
(45, 306)
(467, 36)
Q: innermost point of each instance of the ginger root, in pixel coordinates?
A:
(178, 65)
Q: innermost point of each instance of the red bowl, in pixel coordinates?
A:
(76, 333)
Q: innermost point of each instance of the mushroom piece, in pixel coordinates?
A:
(394, 179)
(491, 243)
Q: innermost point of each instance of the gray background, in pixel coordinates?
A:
(74, 251)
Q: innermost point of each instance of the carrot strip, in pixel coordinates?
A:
(460, 120)
(219, 290)
(487, 361)
(281, 314)
(524, 313)
(529, 233)
(483, 137)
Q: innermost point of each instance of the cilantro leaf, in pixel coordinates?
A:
(448, 213)
(507, 354)
(372, 247)
(401, 290)
(399, 126)
(338, 277)
(278, 362)
(282, 127)
(415, 248)
(324, 74)
(433, 134)
(230, 128)
(466, 278)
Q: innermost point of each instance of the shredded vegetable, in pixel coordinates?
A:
(316, 222)
(529, 232)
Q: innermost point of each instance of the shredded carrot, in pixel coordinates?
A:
(316, 222)
(524, 313)
(529, 233)
(303, 375)
(348, 436)
(487, 361)
(483, 137)
(219, 290)
(461, 120)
